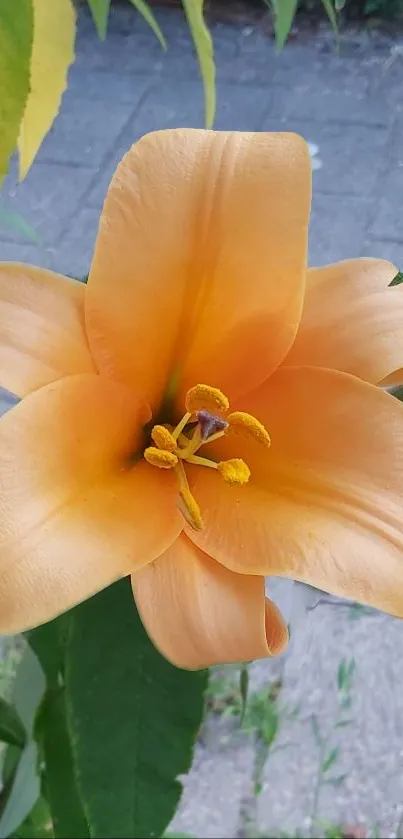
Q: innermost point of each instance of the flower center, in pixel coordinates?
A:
(206, 420)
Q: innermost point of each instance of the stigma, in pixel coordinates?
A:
(206, 420)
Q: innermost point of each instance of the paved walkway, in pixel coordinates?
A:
(351, 108)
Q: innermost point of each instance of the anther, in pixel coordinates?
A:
(247, 425)
(204, 397)
(160, 458)
(234, 471)
(163, 438)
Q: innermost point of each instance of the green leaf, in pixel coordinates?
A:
(11, 728)
(29, 688)
(345, 675)
(203, 43)
(243, 688)
(341, 675)
(149, 17)
(100, 13)
(177, 836)
(330, 759)
(284, 13)
(19, 770)
(47, 642)
(133, 718)
(11, 757)
(397, 279)
(397, 392)
(16, 36)
(60, 781)
(331, 13)
(339, 5)
(37, 825)
(25, 791)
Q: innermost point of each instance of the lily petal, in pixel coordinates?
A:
(75, 513)
(199, 266)
(198, 613)
(352, 321)
(42, 335)
(325, 504)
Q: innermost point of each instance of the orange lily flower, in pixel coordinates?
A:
(204, 411)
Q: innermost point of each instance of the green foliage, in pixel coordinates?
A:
(357, 9)
(12, 730)
(223, 693)
(38, 824)
(328, 755)
(23, 793)
(203, 43)
(113, 725)
(60, 779)
(329, 760)
(382, 8)
(100, 13)
(244, 689)
(331, 11)
(397, 279)
(16, 34)
(284, 13)
(133, 718)
(21, 784)
(144, 9)
(99, 728)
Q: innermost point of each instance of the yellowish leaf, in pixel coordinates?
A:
(204, 48)
(16, 35)
(52, 54)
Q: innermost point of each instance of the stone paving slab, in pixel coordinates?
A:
(371, 748)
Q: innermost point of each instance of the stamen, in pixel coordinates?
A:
(187, 502)
(160, 458)
(193, 444)
(204, 397)
(163, 438)
(190, 509)
(181, 425)
(234, 471)
(202, 461)
(246, 424)
(202, 423)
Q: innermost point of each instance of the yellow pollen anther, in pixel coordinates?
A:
(191, 509)
(204, 397)
(163, 438)
(160, 458)
(246, 424)
(234, 471)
